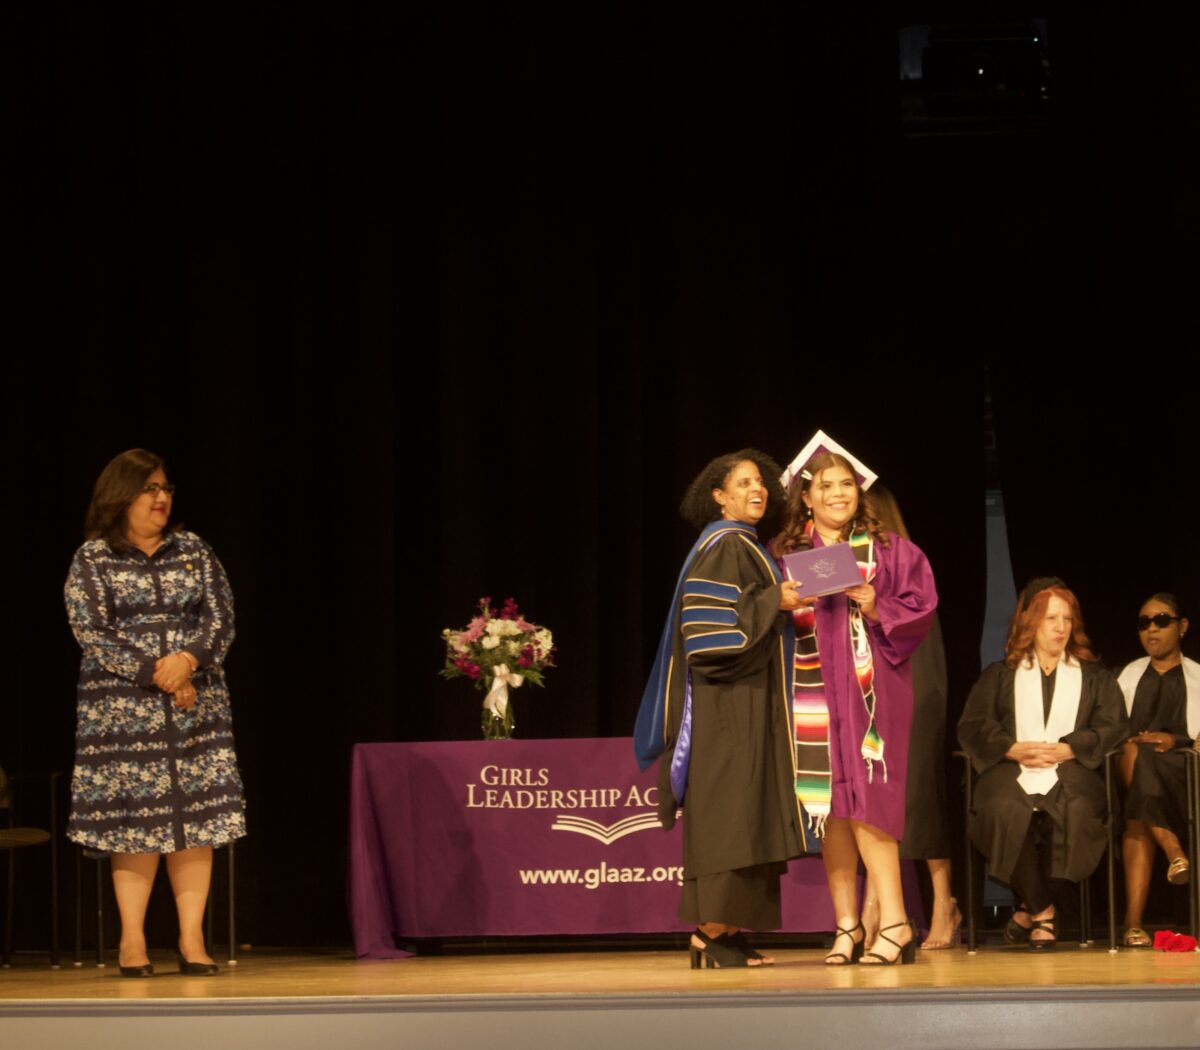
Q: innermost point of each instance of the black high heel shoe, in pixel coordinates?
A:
(856, 947)
(196, 969)
(907, 953)
(145, 970)
(720, 951)
(738, 940)
(1043, 944)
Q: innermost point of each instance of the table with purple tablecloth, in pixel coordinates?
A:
(520, 838)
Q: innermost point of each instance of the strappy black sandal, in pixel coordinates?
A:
(907, 953)
(856, 950)
(738, 940)
(717, 951)
(1014, 932)
(1045, 944)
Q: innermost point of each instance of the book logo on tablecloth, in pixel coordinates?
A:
(608, 834)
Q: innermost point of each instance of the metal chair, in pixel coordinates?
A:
(99, 858)
(13, 838)
(1192, 765)
(1085, 889)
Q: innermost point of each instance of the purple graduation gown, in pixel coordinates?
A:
(905, 601)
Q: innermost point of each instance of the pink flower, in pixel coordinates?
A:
(474, 629)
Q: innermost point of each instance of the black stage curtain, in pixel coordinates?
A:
(423, 305)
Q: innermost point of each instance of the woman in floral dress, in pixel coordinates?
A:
(155, 767)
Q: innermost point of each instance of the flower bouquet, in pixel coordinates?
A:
(498, 650)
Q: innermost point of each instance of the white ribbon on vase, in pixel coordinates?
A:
(496, 700)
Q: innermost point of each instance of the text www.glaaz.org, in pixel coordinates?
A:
(591, 878)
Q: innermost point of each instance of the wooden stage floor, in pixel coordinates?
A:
(280, 974)
(1000, 998)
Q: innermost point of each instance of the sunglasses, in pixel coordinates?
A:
(1158, 619)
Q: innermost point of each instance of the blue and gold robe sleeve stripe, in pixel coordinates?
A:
(715, 615)
(713, 641)
(721, 592)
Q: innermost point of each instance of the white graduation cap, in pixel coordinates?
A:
(822, 442)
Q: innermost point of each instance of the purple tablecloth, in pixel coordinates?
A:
(522, 837)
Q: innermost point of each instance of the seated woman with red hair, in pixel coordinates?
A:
(1037, 727)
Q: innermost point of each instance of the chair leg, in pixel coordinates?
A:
(232, 912)
(1112, 850)
(54, 933)
(1085, 913)
(969, 857)
(99, 913)
(8, 909)
(78, 960)
(1192, 766)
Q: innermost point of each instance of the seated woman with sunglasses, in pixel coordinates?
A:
(1162, 696)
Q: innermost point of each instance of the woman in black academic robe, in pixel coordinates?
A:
(1162, 696)
(1037, 728)
(723, 686)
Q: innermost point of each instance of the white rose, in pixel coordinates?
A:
(490, 642)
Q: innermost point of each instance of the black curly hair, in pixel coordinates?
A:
(698, 506)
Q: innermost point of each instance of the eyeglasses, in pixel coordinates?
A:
(154, 488)
(1158, 619)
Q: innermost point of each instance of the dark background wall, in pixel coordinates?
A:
(424, 303)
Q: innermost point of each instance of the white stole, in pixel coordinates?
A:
(1129, 678)
(1032, 725)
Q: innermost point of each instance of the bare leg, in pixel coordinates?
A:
(870, 911)
(1168, 841)
(190, 871)
(946, 918)
(133, 879)
(1126, 761)
(881, 854)
(840, 853)
(1137, 854)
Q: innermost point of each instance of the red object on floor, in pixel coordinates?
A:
(1170, 941)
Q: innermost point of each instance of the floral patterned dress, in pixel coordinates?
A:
(150, 777)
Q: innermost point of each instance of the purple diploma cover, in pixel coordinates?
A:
(823, 570)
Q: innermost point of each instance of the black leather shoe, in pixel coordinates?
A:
(1015, 933)
(145, 970)
(191, 969)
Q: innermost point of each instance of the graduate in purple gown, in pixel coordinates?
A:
(853, 697)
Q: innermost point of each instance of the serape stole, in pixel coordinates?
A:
(810, 708)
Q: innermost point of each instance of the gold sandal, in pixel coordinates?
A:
(1178, 871)
(1136, 937)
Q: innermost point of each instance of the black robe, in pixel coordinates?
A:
(740, 813)
(999, 820)
(1157, 792)
(926, 821)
